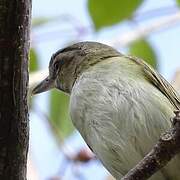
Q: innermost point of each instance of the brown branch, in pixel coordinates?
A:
(165, 149)
(14, 127)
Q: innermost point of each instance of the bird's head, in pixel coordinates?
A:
(67, 64)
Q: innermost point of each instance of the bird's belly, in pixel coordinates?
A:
(121, 126)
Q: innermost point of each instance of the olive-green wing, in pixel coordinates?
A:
(158, 81)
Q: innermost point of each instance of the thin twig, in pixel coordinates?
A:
(165, 149)
(64, 148)
(143, 31)
(80, 29)
(126, 39)
(155, 12)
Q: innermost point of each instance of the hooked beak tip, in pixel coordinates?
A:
(43, 86)
(34, 91)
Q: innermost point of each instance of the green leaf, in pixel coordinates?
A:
(142, 48)
(33, 66)
(40, 21)
(110, 12)
(33, 60)
(59, 114)
(178, 2)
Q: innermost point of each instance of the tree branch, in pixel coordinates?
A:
(14, 128)
(165, 149)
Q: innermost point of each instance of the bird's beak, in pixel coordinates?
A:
(43, 86)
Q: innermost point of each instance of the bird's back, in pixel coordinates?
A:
(121, 115)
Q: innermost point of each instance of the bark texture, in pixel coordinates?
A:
(14, 127)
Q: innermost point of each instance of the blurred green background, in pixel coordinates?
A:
(145, 28)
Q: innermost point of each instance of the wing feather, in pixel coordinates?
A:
(157, 80)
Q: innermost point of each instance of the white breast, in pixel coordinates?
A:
(120, 118)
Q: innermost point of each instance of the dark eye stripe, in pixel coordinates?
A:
(56, 65)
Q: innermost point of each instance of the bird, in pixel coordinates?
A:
(118, 103)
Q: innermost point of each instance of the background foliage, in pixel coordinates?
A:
(104, 15)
